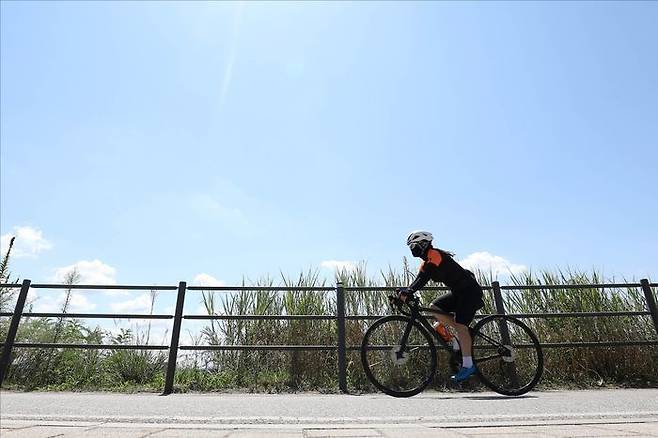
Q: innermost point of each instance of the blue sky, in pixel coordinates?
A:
(149, 143)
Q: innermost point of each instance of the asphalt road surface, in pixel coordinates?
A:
(630, 412)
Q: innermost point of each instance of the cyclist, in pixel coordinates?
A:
(463, 300)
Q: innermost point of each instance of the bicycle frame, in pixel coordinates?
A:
(415, 313)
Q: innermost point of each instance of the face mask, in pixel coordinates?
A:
(417, 249)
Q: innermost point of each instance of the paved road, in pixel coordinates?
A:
(553, 413)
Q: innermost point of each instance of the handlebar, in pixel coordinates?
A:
(412, 302)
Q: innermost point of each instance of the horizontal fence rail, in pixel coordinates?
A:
(524, 315)
(90, 346)
(339, 317)
(91, 315)
(99, 286)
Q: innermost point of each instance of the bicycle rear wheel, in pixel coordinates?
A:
(507, 354)
(400, 372)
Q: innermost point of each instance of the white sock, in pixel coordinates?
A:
(467, 361)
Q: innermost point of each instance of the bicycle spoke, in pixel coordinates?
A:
(491, 341)
(376, 364)
(488, 358)
(518, 362)
(398, 370)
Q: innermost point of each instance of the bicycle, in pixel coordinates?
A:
(399, 354)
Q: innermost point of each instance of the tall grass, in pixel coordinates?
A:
(83, 369)
(317, 370)
(269, 370)
(624, 365)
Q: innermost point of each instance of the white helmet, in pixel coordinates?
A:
(418, 242)
(419, 236)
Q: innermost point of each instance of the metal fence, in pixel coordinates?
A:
(339, 317)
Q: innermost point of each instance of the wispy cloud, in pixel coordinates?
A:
(338, 265)
(230, 62)
(207, 205)
(487, 262)
(29, 242)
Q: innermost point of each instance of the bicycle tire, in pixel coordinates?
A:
(366, 347)
(506, 368)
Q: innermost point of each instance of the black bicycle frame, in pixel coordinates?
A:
(416, 315)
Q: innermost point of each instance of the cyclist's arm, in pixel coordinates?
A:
(424, 275)
(420, 281)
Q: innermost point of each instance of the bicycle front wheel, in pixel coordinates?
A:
(400, 371)
(507, 354)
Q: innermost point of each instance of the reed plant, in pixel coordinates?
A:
(631, 365)
(7, 294)
(297, 370)
(269, 370)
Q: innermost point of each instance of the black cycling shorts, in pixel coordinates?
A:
(463, 303)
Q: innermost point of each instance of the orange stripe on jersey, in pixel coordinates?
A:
(433, 257)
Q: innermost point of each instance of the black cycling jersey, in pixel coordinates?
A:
(439, 266)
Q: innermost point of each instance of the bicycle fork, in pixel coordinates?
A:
(399, 354)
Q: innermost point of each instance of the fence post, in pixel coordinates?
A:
(175, 335)
(13, 328)
(651, 302)
(504, 330)
(340, 321)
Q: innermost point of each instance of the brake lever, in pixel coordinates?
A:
(395, 302)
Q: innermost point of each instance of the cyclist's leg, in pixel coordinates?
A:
(445, 305)
(465, 341)
(463, 331)
(442, 316)
(464, 315)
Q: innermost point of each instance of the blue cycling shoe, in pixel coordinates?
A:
(463, 374)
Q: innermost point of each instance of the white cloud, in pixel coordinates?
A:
(80, 303)
(487, 262)
(139, 304)
(91, 272)
(207, 280)
(29, 242)
(338, 265)
(53, 302)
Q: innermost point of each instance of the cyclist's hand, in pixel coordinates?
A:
(403, 293)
